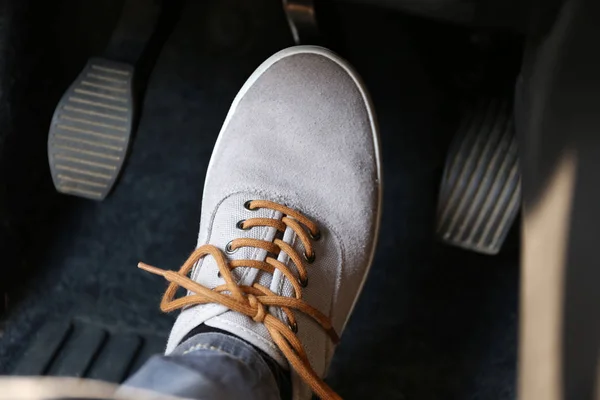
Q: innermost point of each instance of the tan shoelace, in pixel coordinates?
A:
(253, 300)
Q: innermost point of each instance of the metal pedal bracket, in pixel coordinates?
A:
(302, 20)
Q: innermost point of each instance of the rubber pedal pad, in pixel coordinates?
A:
(91, 130)
(480, 194)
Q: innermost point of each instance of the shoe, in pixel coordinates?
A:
(290, 215)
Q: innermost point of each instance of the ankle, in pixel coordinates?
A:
(281, 376)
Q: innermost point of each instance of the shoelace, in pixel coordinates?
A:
(253, 301)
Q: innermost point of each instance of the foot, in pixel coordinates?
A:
(290, 215)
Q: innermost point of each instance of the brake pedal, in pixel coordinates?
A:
(91, 129)
(94, 121)
(480, 195)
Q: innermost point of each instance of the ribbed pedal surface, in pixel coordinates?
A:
(79, 348)
(91, 129)
(481, 195)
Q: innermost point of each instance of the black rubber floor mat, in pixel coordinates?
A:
(78, 348)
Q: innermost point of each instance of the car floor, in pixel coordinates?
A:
(433, 322)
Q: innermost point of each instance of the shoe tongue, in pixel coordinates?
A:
(242, 325)
(279, 283)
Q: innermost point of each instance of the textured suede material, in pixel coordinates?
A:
(300, 132)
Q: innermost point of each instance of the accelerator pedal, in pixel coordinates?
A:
(94, 121)
(480, 195)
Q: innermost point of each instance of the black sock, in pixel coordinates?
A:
(282, 377)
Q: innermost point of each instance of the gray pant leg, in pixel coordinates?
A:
(209, 366)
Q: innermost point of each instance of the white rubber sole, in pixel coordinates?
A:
(370, 110)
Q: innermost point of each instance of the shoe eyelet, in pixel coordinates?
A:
(303, 282)
(316, 236)
(240, 225)
(310, 259)
(247, 206)
(229, 250)
(293, 327)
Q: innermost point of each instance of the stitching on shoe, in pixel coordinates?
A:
(213, 216)
(278, 310)
(311, 213)
(255, 251)
(249, 301)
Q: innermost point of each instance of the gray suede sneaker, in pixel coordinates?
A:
(290, 215)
